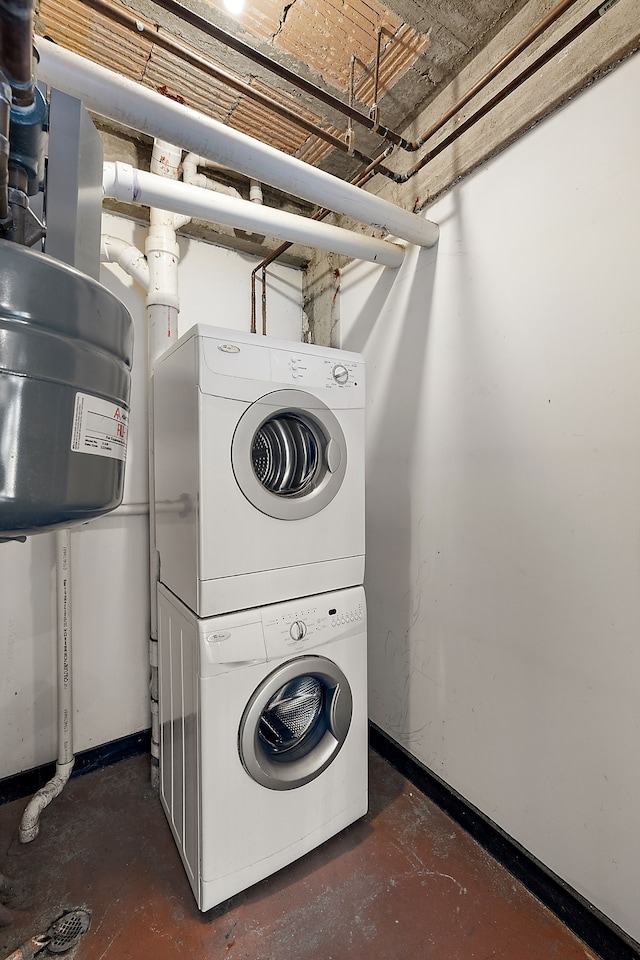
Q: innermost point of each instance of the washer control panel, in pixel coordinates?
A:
(340, 618)
(296, 627)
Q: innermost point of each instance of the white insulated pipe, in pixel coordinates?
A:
(123, 182)
(106, 93)
(30, 823)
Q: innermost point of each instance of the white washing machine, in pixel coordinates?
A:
(263, 734)
(259, 469)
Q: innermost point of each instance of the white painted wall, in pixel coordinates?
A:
(503, 492)
(110, 602)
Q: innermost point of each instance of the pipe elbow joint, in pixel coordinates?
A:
(30, 823)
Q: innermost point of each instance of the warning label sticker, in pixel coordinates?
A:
(99, 427)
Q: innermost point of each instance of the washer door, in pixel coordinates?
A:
(289, 455)
(295, 723)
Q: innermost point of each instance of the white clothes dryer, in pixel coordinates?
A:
(259, 469)
(263, 734)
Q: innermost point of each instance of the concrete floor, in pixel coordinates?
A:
(401, 884)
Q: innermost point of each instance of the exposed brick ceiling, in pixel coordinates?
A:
(422, 45)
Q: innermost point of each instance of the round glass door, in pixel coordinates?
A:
(289, 455)
(295, 723)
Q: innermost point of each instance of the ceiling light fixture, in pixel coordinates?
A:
(234, 6)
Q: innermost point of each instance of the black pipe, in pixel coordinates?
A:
(200, 63)
(233, 43)
(596, 14)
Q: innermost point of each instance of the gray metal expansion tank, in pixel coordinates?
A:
(65, 370)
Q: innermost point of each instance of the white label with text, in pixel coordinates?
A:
(99, 427)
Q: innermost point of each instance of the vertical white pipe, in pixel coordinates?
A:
(30, 823)
(65, 688)
(163, 257)
(158, 273)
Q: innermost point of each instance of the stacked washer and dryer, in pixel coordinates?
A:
(259, 478)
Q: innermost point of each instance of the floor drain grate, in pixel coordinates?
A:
(67, 929)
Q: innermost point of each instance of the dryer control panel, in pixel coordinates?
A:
(325, 372)
(307, 624)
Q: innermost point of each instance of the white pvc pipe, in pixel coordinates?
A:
(120, 99)
(190, 165)
(127, 256)
(163, 307)
(30, 823)
(124, 510)
(255, 192)
(190, 175)
(192, 162)
(122, 182)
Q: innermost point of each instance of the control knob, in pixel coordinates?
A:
(340, 373)
(298, 630)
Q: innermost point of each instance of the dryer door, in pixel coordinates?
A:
(289, 455)
(295, 723)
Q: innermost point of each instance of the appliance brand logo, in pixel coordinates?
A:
(228, 348)
(218, 637)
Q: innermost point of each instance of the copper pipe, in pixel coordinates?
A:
(253, 302)
(508, 58)
(352, 75)
(189, 16)
(376, 80)
(16, 30)
(359, 181)
(348, 110)
(490, 75)
(189, 56)
(526, 74)
(374, 112)
(375, 166)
